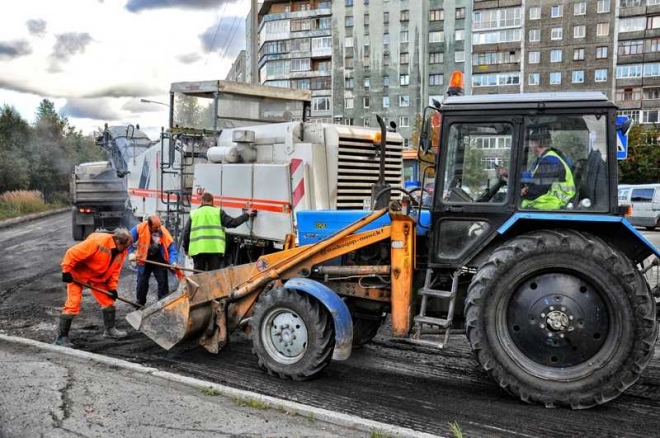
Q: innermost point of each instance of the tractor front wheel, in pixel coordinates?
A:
(292, 334)
(561, 318)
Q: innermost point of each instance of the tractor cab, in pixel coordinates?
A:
(504, 156)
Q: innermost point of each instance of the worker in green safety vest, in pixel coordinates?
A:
(204, 234)
(549, 185)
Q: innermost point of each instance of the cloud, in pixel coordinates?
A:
(68, 45)
(36, 27)
(189, 58)
(98, 109)
(125, 90)
(20, 87)
(141, 5)
(14, 49)
(228, 39)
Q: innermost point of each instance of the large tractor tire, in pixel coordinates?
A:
(365, 329)
(292, 334)
(561, 318)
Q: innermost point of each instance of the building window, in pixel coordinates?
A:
(348, 62)
(403, 36)
(604, 6)
(633, 47)
(436, 58)
(556, 55)
(386, 101)
(348, 83)
(459, 56)
(436, 15)
(534, 35)
(365, 102)
(534, 79)
(303, 64)
(578, 77)
(349, 103)
(367, 82)
(386, 17)
(405, 15)
(321, 104)
(404, 58)
(603, 29)
(386, 81)
(348, 42)
(349, 21)
(404, 79)
(652, 93)
(578, 55)
(495, 79)
(348, 122)
(366, 60)
(601, 52)
(404, 122)
(459, 35)
(460, 13)
(555, 78)
(557, 11)
(600, 75)
(349, 2)
(367, 40)
(579, 31)
(437, 36)
(556, 33)
(404, 100)
(580, 8)
(534, 57)
(535, 13)
(435, 79)
(366, 122)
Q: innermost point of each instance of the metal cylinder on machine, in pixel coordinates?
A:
(242, 151)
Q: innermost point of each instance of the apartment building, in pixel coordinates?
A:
(391, 57)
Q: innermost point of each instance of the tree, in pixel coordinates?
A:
(15, 136)
(643, 162)
(474, 175)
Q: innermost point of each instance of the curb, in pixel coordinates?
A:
(336, 418)
(29, 217)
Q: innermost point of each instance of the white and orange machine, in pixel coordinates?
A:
(252, 147)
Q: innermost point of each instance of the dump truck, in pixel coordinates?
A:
(99, 192)
(553, 301)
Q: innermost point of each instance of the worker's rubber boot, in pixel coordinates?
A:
(109, 323)
(62, 338)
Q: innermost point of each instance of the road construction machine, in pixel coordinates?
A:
(552, 296)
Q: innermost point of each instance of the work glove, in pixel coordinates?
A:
(132, 257)
(67, 277)
(113, 292)
(252, 213)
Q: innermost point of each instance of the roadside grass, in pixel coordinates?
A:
(21, 202)
(251, 403)
(210, 391)
(456, 429)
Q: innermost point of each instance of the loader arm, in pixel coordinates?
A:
(213, 304)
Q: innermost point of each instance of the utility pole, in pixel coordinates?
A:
(254, 38)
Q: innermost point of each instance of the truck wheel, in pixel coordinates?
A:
(561, 318)
(365, 329)
(77, 231)
(292, 334)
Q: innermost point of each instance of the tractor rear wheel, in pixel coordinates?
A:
(292, 334)
(560, 318)
(365, 329)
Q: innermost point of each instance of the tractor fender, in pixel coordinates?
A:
(616, 226)
(337, 308)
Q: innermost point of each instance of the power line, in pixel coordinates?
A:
(222, 17)
(230, 38)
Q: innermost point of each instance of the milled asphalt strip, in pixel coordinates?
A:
(28, 217)
(336, 418)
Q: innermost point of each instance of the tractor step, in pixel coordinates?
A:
(428, 292)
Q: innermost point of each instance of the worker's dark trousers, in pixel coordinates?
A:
(207, 262)
(143, 282)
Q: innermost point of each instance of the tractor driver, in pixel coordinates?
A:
(549, 184)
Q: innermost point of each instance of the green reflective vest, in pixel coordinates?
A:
(560, 193)
(206, 233)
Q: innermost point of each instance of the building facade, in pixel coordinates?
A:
(392, 57)
(238, 71)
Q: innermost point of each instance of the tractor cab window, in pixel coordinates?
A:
(478, 157)
(564, 163)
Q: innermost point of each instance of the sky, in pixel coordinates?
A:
(96, 59)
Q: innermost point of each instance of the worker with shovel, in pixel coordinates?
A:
(155, 248)
(94, 263)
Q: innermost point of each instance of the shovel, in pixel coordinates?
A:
(105, 292)
(165, 265)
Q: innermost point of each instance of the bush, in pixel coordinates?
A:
(21, 202)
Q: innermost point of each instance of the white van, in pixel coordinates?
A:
(645, 202)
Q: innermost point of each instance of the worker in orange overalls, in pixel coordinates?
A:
(96, 261)
(154, 243)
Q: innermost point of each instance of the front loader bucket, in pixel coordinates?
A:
(190, 311)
